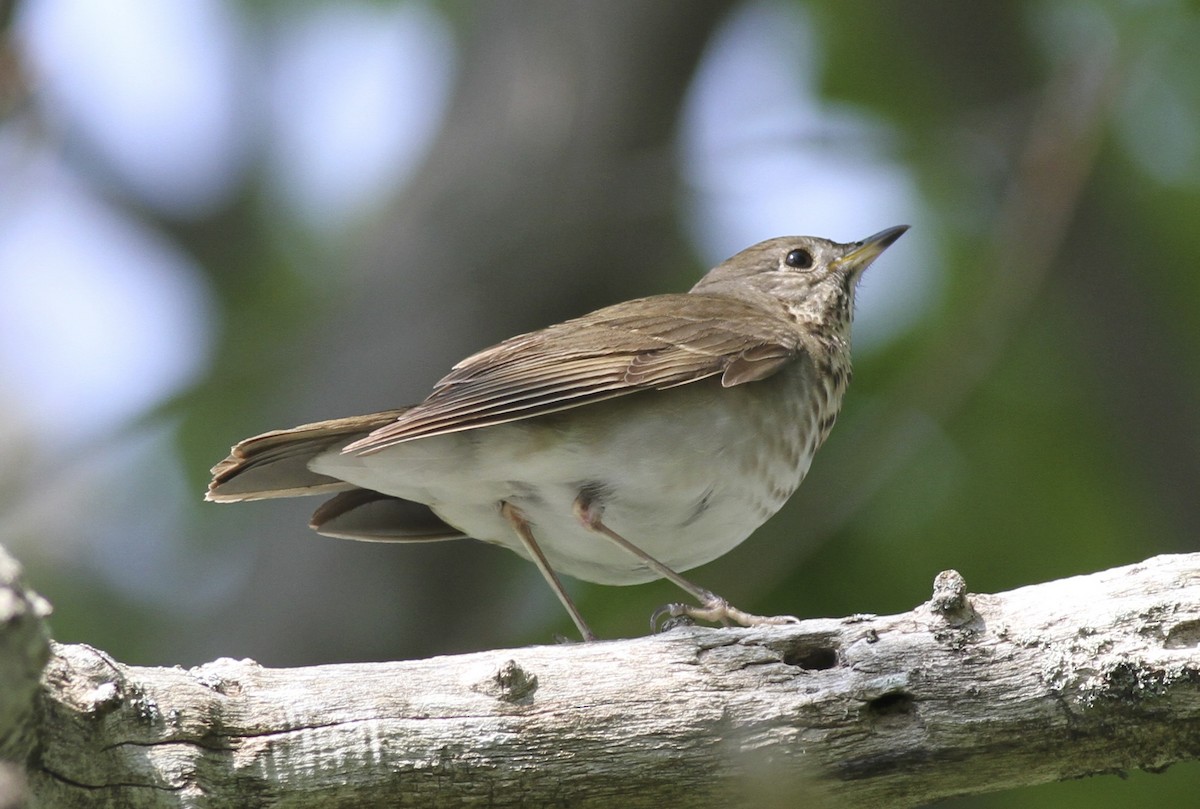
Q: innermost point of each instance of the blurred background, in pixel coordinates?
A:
(222, 217)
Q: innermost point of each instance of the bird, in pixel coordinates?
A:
(623, 446)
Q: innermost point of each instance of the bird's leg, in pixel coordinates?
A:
(712, 607)
(591, 513)
(517, 520)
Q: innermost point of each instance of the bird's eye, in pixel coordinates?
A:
(800, 259)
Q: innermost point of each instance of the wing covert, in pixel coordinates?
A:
(646, 344)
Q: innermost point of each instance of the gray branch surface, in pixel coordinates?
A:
(965, 694)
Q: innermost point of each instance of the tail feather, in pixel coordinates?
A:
(275, 464)
(366, 515)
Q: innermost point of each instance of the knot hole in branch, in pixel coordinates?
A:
(810, 654)
(892, 704)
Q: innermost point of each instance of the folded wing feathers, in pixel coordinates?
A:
(609, 353)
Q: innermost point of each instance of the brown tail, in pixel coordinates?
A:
(275, 464)
(373, 517)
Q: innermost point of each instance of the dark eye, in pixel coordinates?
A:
(800, 259)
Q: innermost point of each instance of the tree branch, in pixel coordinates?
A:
(964, 694)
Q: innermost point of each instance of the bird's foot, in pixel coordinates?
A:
(713, 609)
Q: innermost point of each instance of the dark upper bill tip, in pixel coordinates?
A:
(885, 238)
(859, 255)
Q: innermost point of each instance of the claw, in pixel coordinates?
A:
(676, 614)
(714, 609)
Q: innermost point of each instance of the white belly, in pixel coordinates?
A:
(685, 491)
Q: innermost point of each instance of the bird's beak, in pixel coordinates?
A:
(860, 254)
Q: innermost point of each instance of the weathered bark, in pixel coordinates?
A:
(964, 694)
(24, 650)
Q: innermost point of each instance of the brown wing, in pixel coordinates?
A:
(650, 343)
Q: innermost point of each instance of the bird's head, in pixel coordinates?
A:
(813, 278)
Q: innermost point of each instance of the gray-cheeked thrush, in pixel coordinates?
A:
(642, 439)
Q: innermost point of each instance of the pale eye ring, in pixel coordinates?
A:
(799, 258)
